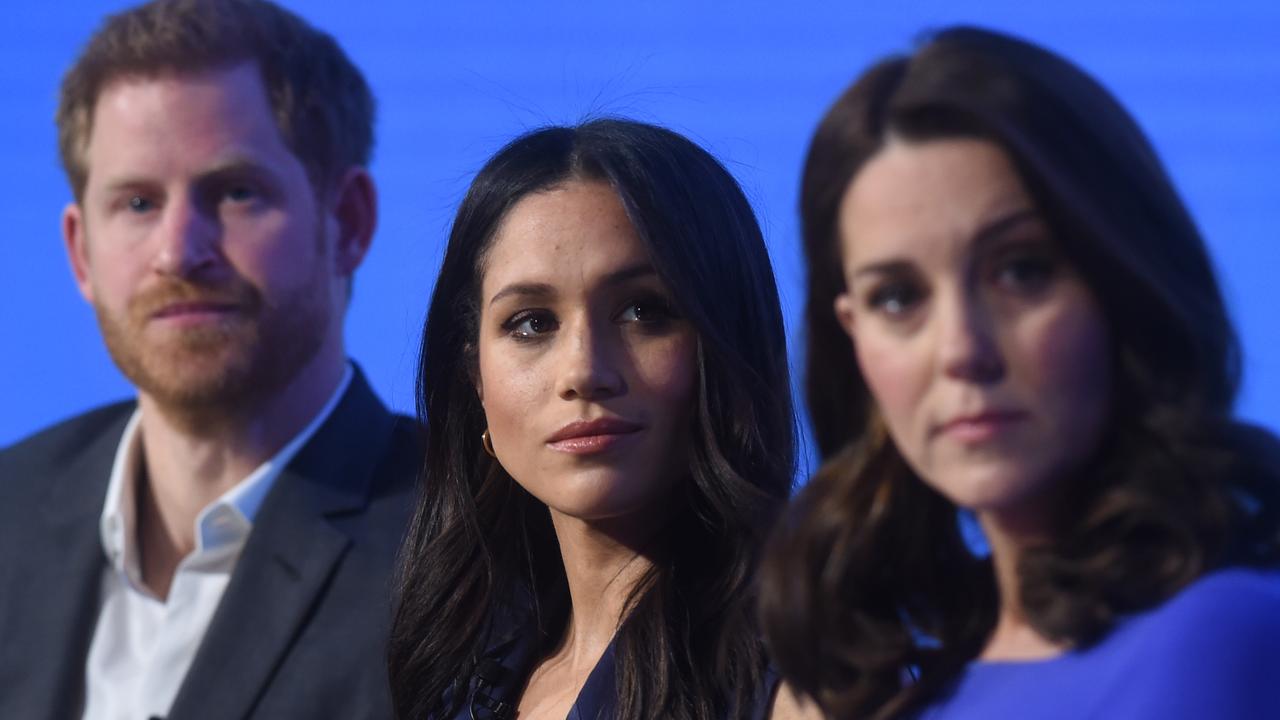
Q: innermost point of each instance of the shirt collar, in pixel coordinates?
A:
(223, 524)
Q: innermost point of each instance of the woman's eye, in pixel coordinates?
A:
(530, 325)
(648, 312)
(894, 299)
(1025, 273)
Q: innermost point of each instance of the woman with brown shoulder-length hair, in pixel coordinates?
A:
(1012, 317)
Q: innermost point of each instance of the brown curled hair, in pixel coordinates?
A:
(871, 600)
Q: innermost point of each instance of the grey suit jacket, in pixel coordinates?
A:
(302, 627)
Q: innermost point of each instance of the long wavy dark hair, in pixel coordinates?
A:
(479, 544)
(868, 580)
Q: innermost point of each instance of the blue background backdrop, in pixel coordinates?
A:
(749, 80)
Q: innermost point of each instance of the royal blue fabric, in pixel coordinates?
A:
(1212, 651)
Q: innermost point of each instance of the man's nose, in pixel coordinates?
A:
(188, 240)
(589, 362)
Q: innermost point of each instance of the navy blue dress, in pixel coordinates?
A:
(495, 690)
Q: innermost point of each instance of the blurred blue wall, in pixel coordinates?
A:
(749, 80)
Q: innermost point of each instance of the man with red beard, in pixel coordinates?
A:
(222, 547)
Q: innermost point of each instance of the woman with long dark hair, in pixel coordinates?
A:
(1013, 320)
(605, 387)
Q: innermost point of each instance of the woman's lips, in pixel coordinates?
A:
(981, 427)
(585, 437)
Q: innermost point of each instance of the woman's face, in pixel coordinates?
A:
(587, 371)
(987, 355)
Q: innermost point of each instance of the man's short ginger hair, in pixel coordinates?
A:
(321, 102)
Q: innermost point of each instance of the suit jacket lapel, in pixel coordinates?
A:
(286, 562)
(58, 590)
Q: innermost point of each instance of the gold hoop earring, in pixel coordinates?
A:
(487, 443)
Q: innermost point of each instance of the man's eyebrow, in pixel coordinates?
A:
(236, 167)
(232, 167)
(113, 188)
(127, 182)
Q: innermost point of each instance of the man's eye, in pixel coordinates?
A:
(241, 193)
(530, 325)
(140, 204)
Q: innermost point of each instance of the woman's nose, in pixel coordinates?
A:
(589, 369)
(968, 349)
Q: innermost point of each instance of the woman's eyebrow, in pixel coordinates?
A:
(545, 290)
(882, 267)
(997, 228)
(540, 290)
(987, 234)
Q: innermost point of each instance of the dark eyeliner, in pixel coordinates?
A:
(652, 303)
(512, 324)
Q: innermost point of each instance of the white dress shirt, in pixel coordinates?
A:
(142, 645)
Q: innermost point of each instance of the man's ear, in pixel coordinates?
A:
(77, 245)
(843, 307)
(355, 209)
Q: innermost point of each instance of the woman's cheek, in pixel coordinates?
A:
(896, 379)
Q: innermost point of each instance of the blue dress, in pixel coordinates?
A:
(1211, 651)
(495, 691)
